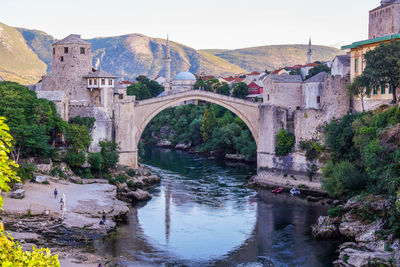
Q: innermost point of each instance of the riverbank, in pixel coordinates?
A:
(36, 217)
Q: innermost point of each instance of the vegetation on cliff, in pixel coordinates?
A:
(207, 128)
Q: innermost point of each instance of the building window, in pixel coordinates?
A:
(103, 81)
(121, 96)
(110, 82)
(95, 81)
(390, 89)
(268, 97)
(318, 99)
(375, 91)
(54, 51)
(83, 50)
(356, 61)
(62, 59)
(65, 50)
(383, 88)
(90, 82)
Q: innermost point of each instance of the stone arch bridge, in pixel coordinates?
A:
(132, 117)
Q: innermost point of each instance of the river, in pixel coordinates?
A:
(203, 215)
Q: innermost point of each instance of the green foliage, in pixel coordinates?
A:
(312, 148)
(382, 66)
(223, 89)
(342, 179)
(335, 211)
(320, 68)
(139, 90)
(78, 136)
(96, 161)
(119, 179)
(360, 88)
(131, 172)
(285, 143)
(25, 172)
(7, 166)
(295, 72)
(109, 154)
(240, 90)
(33, 122)
(74, 159)
(86, 121)
(153, 87)
(208, 123)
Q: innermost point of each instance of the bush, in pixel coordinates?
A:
(131, 183)
(74, 159)
(285, 143)
(57, 171)
(335, 211)
(78, 136)
(342, 179)
(96, 161)
(25, 172)
(120, 179)
(312, 148)
(86, 121)
(131, 172)
(109, 154)
(11, 254)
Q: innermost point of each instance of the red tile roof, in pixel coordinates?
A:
(125, 82)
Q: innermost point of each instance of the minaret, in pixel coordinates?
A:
(309, 53)
(167, 68)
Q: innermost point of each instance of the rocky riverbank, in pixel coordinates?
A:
(35, 217)
(361, 222)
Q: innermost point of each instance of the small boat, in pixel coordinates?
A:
(294, 192)
(277, 190)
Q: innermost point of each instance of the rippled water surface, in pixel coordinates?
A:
(203, 215)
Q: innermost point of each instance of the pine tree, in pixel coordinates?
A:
(208, 123)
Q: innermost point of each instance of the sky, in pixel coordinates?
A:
(205, 24)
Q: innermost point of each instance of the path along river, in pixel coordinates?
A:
(203, 215)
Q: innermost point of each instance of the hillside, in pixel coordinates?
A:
(25, 53)
(17, 60)
(274, 56)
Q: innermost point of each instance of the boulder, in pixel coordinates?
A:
(41, 178)
(238, 157)
(75, 179)
(183, 146)
(44, 168)
(18, 194)
(325, 228)
(122, 187)
(139, 195)
(164, 143)
(17, 186)
(94, 181)
(353, 256)
(150, 180)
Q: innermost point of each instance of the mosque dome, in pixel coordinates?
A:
(185, 75)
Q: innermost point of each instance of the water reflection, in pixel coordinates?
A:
(202, 215)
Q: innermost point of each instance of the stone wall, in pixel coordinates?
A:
(282, 94)
(369, 104)
(308, 124)
(312, 91)
(335, 100)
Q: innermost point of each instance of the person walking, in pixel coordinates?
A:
(55, 192)
(61, 203)
(104, 216)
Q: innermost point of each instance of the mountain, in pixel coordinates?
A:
(17, 60)
(272, 57)
(25, 53)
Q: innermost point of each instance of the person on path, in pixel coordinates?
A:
(104, 216)
(61, 203)
(55, 192)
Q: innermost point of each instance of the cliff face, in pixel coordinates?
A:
(25, 53)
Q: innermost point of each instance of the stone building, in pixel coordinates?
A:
(312, 89)
(384, 27)
(341, 65)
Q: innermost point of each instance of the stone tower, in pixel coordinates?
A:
(167, 67)
(385, 19)
(72, 55)
(309, 52)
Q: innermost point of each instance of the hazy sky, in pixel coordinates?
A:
(199, 24)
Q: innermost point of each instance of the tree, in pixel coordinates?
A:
(240, 90)
(295, 72)
(11, 253)
(139, 90)
(208, 123)
(285, 143)
(109, 154)
(223, 89)
(154, 87)
(383, 67)
(360, 88)
(317, 69)
(79, 137)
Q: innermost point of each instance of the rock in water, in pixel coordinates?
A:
(164, 143)
(325, 228)
(238, 157)
(140, 195)
(18, 194)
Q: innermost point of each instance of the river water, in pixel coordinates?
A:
(203, 215)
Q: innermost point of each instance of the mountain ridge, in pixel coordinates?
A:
(130, 55)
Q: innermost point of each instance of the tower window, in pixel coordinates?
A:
(318, 99)
(62, 59)
(90, 81)
(83, 50)
(103, 81)
(65, 50)
(54, 51)
(95, 81)
(110, 82)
